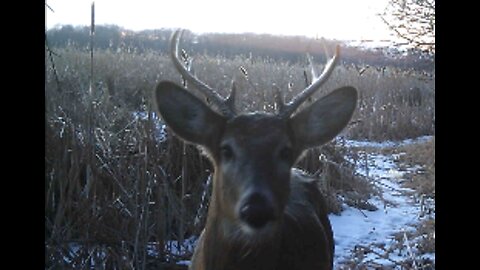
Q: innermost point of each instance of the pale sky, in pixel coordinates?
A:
(339, 19)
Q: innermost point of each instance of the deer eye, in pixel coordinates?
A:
(286, 154)
(226, 152)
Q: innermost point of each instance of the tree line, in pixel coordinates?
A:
(250, 45)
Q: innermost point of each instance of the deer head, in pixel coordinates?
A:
(252, 153)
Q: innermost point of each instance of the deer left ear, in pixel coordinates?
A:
(187, 115)
(325, 118)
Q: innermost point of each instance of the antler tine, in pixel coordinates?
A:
(206, 90)
(230, 101)
(290, 108)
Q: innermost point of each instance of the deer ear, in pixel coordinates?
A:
(325, 118)
(188, 116)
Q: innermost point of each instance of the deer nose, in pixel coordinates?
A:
(257, 210)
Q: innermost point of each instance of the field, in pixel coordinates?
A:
(122, 192)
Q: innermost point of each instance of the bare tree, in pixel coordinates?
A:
(412, 21)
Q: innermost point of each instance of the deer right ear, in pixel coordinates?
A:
(188, 116)
(325, 118)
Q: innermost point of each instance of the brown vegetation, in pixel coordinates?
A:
(115, 194)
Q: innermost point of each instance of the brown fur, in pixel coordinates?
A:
(304, 240)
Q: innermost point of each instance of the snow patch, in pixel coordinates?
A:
(356, 144)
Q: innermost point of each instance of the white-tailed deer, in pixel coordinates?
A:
(263, 213)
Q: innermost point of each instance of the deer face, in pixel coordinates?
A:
(252, 153)
(255, 160)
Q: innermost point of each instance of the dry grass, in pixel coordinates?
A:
(421, 156)
(114, 190)
(423, 182)
(394, 104)
(338, 179)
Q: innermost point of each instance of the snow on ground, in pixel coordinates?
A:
(398, 210)
(355, 143)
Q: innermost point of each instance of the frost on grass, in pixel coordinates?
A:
(159, 131)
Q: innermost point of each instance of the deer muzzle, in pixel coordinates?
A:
(257, 210)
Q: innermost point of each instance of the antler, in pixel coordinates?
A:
(225, 106)
(288, 109)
